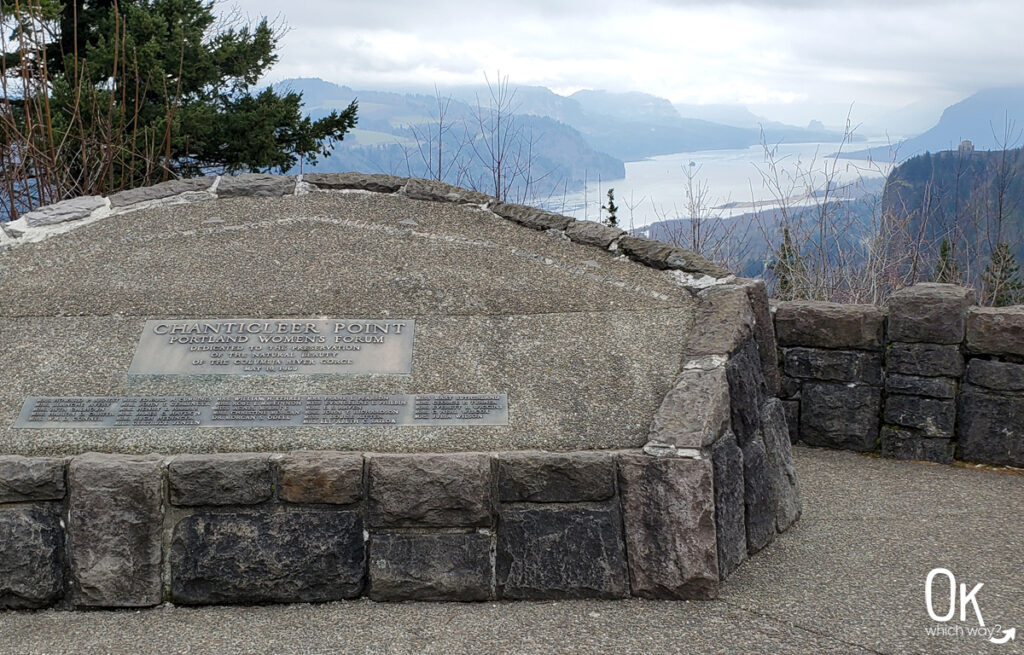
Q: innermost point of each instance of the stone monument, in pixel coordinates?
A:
(279, 389)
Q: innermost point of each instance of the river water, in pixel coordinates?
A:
(731, 182)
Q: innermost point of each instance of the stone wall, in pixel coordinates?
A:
(102, 530)
(929, 377)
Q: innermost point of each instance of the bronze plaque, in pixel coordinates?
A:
(307, 346)
(264, 411)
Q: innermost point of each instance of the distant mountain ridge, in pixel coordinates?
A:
(991, 119)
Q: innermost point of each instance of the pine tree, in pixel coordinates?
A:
(946, 269)
(136, 91)
(1001, 279)
(789, 269)
(612, 220)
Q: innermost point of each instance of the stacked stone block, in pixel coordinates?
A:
(990, 417)
(831, 372)
(923, 364)
(321, 526)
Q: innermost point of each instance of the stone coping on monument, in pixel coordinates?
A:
(583, 327)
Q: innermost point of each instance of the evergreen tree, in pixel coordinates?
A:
(1001, 279)
(612, 220)
(789, 269)
(136, 91)
(946, 269)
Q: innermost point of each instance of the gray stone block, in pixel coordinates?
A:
(115, 520)
(747, 391)
(780, 462)
(934, 418)
(74, 209)
(561, 551)
(760, 494)
(764, 335)
(929, 313)
(160, 191)
(996, 330)
(430, 490)
(834, 365)
(420, 189)
(31, 478)
(683, 423)
(668, 507)
(430, 567)
(792, 408)
(730, 509)
(657, 254)
(790, 389)
(909, 444)
(999, 376)
(31, 569)
(541, 477)
(914, 385)
(990, 428)
(321, 477)
(829, 325)
(726, 321)
(592, 233)
(925, 359)
(360, 181)
(841, 416)
(224, 479)
(267, 556)
(531, 217)
(258, 185)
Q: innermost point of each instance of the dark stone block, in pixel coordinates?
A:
(996, 330)
(358, 181)
(116, 517)
(430, 490)
(430, 567)
(321, 477)
(790, 389)
(747, 391)
(829, 325)
(730, 509)
(227, 479)
(999, 376)
(929, 313)
(761, 498)
(259, 185)
(780, 461)
(764, 334)
(668, 509)
(792, 408)
(657, 254)
(559, 551)
(839, 416)
(926, 359)
(421, 189)
(592, 233)
(913, 385)
(555, 477)
(933, 418)
(31, 478)
(909, 444)
(160, 191)
(835, 365)
(990, 429)
(531, 217)
(31, 573)
(267, 556)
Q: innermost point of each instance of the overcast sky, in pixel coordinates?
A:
(784, 58)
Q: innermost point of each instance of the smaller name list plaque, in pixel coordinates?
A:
(263, 411)
(239, 346)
